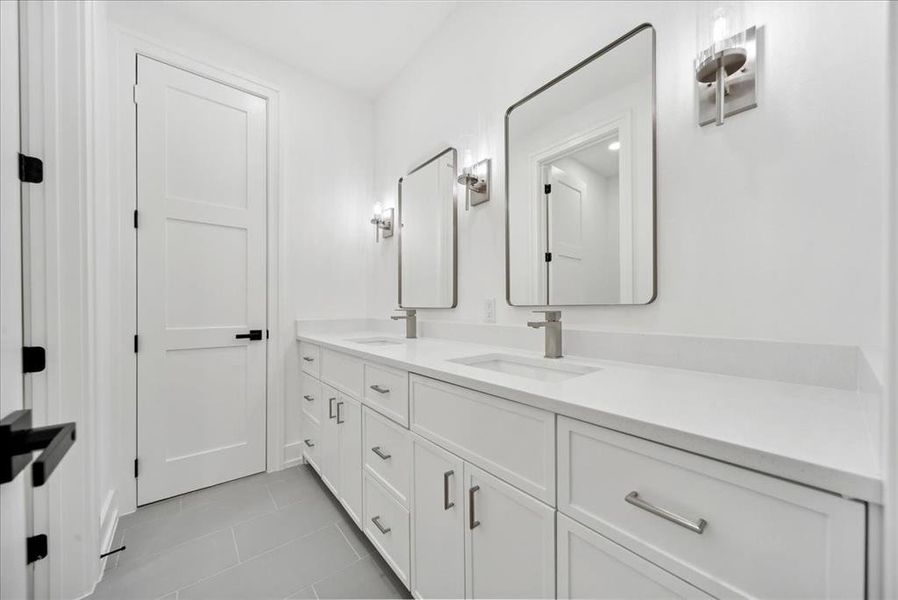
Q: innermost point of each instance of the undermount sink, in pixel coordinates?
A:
(378, 341)
(542, 369)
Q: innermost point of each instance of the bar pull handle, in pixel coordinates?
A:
(376, 521)
(309, 443)
(380, 452)
(339, 413)
(472, 522)
(380, 390)
(309, 398)
(696, 527)
(254, 334)
(308, 359)
(330, 407)
(446, 504)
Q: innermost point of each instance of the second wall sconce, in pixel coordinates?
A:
(726, 67)
(476, 179)
(382, 221)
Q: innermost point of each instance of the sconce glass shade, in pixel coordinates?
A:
(719, 27)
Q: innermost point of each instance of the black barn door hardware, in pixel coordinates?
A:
(18, 440)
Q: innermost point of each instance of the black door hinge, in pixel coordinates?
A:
(135, 343)
(36, 547)
(34, 359)
(267, 335)
(31, 169)
(548, 257)
(136, 468)
(547, 188)
(135, 218)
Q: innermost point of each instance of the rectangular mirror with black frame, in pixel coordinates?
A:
(427, 234)
(580, 182)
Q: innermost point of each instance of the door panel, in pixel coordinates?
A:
(567, 271)
(349, 423)
(438, 551)
(330, 440)
(201, 197)
(510, 551)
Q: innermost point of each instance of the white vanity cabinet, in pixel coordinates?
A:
(458, 489)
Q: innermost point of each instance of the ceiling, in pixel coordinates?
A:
(360, 46)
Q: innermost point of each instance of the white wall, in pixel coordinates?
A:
(753, 241)
(326, 158)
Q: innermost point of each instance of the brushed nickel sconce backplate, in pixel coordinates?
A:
(727, 79)
(476, 180)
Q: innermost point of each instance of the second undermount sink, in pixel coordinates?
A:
(542, 369)
(377, 341)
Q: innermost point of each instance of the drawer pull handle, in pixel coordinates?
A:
(308, 359)
(472, 522)
(380, 390)
(634, 499)
(380, 452)
(446, 504)
(309, 398)
(376, 521)
(330, 407)
(309, 443)
(339, 413)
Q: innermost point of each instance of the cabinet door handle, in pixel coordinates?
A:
(309, 398)
(472, 522)
(380, 452)
(339, 420)
(308, 359)
(697, 527)
(376, 521)
(309, 443)
(330, 407)
(380, 390)
(446, 504)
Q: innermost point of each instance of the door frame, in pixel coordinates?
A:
(127, 46)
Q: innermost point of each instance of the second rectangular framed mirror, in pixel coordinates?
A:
(428, 271)
(580, 182)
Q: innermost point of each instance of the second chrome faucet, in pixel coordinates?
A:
(411, 322)
(552, 325)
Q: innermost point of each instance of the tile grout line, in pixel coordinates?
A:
(351, 547)
(236, 547)
(278, 547)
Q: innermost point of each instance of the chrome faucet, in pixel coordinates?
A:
(553, 331)
(411, 322)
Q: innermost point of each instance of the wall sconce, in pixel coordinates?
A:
(382, 221)
(726, 67)
(476, 179)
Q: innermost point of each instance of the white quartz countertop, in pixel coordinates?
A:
(817, 436)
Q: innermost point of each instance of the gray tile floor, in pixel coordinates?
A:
(269, 536)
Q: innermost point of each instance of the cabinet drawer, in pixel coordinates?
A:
(592, 566)
(386, 390)
(387, 452)
(311, 443)
(387, 526)
(309, 358)
(342, 371)
(763, 537)
(511, 440)
(311, 398)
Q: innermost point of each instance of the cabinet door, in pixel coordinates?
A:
(509, 540)
(349, 427)
(592, 566)
(329, 453)
(438, 552)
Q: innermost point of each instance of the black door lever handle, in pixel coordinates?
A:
(18, 440)
(254, 334)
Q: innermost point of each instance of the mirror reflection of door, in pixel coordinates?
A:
(584, 213)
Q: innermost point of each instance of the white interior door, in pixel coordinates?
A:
(201, 197)
(567, 272)
(15, 573)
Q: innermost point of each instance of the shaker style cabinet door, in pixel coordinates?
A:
(329, 453)
(438, 535)
(592, 566)
(509, 540)
(348, 421)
